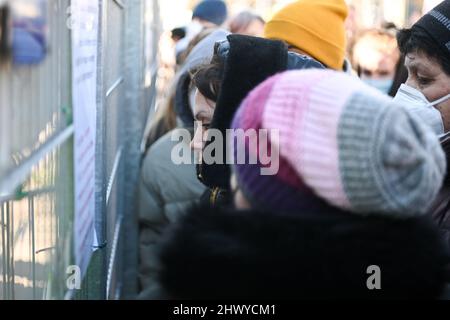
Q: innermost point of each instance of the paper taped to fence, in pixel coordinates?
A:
(83, 20)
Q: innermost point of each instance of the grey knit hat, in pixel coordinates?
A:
(348, 143)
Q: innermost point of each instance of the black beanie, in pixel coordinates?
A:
(436, 24)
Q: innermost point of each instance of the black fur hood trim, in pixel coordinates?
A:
(182, 104)
(250, 61)
(229, 254)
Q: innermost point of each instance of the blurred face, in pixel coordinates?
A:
(205, 24)
(203, 114)
(428, 77)
(377, 57)
(255, 29)
(381, 66)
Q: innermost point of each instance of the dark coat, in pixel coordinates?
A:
(440, 210)
(324, 253)
(441, 213)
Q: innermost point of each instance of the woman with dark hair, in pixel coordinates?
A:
(426, 47)
(238, 65)
(375, 58)
(176, 110)
(165, 188)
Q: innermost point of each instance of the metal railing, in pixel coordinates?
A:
(36, 157)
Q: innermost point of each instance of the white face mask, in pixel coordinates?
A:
(415, 101)
(382, 85)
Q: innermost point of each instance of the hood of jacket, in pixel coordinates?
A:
(445, 144)
(248, 62)
(202, 53)
(183, 107)
(229, 254)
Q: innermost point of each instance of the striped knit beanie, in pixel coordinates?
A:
(436, 24)
(337, 139)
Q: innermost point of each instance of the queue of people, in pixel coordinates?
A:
(361, 181)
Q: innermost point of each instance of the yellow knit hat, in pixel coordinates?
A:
(316, 27)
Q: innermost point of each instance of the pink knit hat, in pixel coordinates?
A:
(341, 140)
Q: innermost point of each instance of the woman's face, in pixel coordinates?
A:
(427, 76)
(255, 29)
(203, 114)
(377, 57)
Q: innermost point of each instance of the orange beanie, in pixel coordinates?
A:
(316, 27)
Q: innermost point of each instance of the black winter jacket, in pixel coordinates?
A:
(323, 253)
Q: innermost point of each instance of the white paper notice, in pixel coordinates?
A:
(84, 24)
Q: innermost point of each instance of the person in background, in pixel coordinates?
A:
(356, 178)
(297, 25)
(207, 14)
(351, 26)
(177, 34)
(173, 112)
(247, 23)
(375, 58)
(167, 189)
(427, 59)
(426, 46)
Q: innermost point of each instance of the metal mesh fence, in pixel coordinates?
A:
(36, 156)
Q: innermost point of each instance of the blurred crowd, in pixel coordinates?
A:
(360, 123)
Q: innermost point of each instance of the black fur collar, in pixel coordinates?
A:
(223, 254)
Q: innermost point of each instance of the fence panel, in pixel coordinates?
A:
(36, 156)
